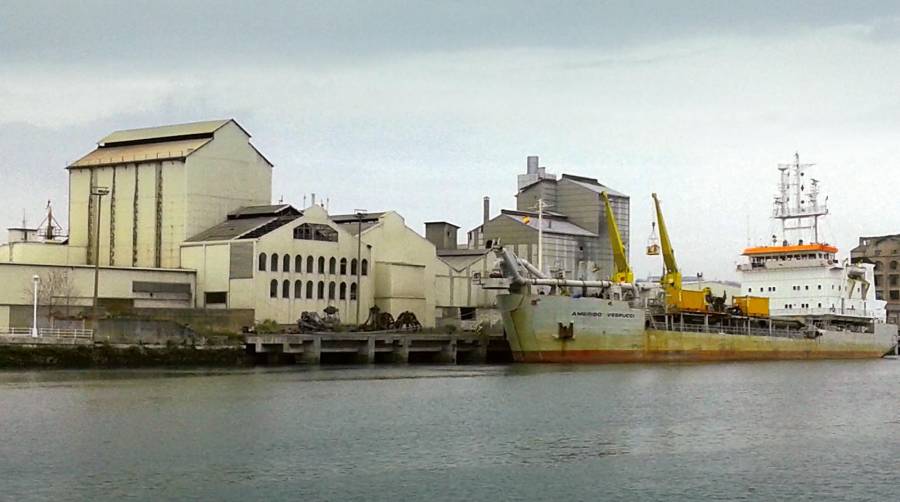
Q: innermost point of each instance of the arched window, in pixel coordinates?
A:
(286, 263)
(298, 289)
(343, 291)
(893, 264)
(298, 264)
(320, 294)
(273, 289)
(309, 290)
(343, 266)
(262, 262)
(274, 263)
(321, 264)
(352, 291)
(353, 266)
(331, 288)
(286, 289)
(332, 265)
(309, 264)
(364, 269)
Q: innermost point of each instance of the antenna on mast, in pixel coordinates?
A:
(797, 204)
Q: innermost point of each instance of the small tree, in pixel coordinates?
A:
(54, 289)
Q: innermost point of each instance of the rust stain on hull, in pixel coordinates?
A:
(625, 356)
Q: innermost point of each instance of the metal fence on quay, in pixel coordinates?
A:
(56, 334)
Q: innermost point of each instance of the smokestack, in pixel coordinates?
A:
(487, 209)
(532, 164)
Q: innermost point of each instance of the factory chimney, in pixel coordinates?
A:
(487, 209)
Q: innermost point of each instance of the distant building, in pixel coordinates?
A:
(883, 252)
(574, 222)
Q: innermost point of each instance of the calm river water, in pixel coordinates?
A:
(761, 431)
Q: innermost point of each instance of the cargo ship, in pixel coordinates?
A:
(799, 301)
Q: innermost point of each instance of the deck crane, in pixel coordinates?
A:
(677, 299)
(622, 271)
(671, 279)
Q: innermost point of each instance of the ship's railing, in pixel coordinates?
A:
(675, 325)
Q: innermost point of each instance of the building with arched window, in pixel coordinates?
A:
(280, 262)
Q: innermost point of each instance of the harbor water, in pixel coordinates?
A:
(733, 431)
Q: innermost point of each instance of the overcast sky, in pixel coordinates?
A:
(425, 107)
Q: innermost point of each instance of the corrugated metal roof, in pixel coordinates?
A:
(162, 132)
(551, 225)
(267, 210)
(231, 229)
(594, 187)
(167, 150)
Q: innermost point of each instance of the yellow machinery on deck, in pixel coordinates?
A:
(622, 272)
(751, 306)
(677, 299)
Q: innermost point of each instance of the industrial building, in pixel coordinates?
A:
(884, 252)
(180, 217)
(404, 263)
(459, 300)
(280, 262)
(571, 216)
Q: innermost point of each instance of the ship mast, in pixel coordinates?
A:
(797, 204)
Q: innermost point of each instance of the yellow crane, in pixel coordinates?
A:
(677, 299)
(622, 272)
(672, 277)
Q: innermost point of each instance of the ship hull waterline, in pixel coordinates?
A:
(605, 331)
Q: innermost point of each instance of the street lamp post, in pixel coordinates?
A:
(359, 217)
(34, 320)
(98, 192)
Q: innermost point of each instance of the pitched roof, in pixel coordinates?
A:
(168, 142)
(265, 210)
(249, 222)
(230, 229)
(169, 150)
(551, 224)
(166, 133)
(591, 184)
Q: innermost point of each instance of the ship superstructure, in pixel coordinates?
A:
(800, 275)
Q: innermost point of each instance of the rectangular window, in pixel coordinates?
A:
(216, 297)
(895, 295)
(467, 313)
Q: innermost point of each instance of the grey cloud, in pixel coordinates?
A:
(164, 32)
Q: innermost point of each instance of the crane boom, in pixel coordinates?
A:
(672, 277)
(622, 271)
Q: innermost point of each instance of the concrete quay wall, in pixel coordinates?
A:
(379, 347)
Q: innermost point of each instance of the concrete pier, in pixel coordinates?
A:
(368, 348)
